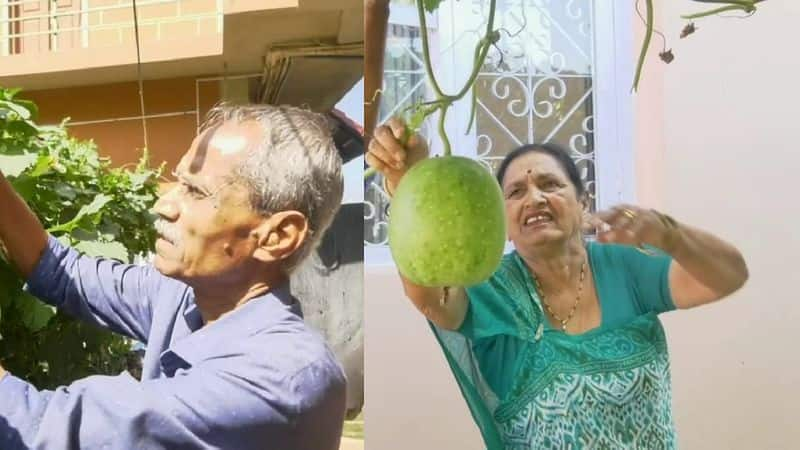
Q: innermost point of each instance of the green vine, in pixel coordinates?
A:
(86, 203)
(648, 35)
(444, 101)
(421, 111)
(746, 6)
(418, 113)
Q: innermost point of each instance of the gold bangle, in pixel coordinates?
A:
(668, 221)
(672, 226)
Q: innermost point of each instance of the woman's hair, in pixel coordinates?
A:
(553, 150)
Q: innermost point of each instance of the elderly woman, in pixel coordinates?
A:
(562, 347)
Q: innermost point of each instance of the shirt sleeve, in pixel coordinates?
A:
(649, 278)
(103, 292)
(198, 408)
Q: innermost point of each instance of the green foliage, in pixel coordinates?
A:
(431, 5)
(80, 199)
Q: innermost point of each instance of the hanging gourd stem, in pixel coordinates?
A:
(444, 101)
(748, 6)
(648, 35)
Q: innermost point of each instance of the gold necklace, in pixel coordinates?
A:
(574, 307)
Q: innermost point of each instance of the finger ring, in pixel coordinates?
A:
(629, 213)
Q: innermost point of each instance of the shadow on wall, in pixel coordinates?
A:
(330, 287)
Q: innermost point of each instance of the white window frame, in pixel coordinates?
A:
(612, 76)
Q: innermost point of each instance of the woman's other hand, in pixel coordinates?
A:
(705, 267)
(390, 156)
(632, 225)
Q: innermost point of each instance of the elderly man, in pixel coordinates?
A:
(229, 363)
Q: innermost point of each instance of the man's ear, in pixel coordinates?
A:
(280, 235)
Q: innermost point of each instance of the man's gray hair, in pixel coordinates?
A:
(295, 166)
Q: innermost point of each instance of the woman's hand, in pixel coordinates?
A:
(632, 225)
(388, 155)
(705, 268)
(446, 307)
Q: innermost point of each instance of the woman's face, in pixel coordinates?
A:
(542, 205)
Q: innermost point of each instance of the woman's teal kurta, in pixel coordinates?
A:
(530, 386)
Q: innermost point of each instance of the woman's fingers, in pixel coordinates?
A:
(591, 223)
(629, 224)
(381, 153)
(620, 216)
(639, 227)
(617, 236)
(388, 153)
(398, 127)
(376, 163)
(384, 136)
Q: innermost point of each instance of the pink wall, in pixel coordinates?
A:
(412, 401)
(648, 117)
(727, 163)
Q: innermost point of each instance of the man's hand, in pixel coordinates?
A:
(2, 373)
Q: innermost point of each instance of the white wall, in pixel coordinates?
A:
(730, 163)
(715, 149)
(412, 400)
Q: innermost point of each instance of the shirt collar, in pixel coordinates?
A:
(257, 315)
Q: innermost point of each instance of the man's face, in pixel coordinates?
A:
(205, 222)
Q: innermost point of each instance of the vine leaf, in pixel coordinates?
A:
(34, 314)
(13, 165)
(88, 210)
(432, 5)
(64, 179)
(113, 250)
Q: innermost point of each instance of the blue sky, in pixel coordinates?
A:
(353, 105)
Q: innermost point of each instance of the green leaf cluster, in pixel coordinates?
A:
(86, 203)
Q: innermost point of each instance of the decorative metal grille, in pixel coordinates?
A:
(403, 86)
(536, 85)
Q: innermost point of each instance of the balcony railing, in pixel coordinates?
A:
(42, 26)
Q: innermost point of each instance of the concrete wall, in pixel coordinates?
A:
(110, 115)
